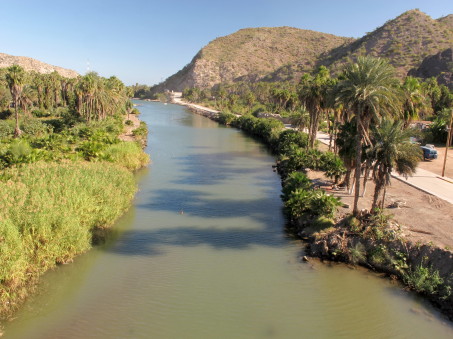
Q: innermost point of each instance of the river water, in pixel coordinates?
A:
(203, 254)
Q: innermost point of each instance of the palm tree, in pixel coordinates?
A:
(369, 89)
(314, 95)
(392, 150)
(27, 98)
(414, 100)
(15, 78)
(300, 118)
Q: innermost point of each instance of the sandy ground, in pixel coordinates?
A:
(436, 165)
(127, 134)
(423, 217)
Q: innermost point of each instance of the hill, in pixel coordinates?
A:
(404, 41)
(439, 65)
(285, 53)
(30, 64)
(447, 20)
(250, 54)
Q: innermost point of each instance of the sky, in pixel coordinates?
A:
(147, 41)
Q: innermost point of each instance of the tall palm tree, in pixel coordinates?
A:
(414, 100)
(369, 89)
(392, 150)
(314, 95)
(15, 78)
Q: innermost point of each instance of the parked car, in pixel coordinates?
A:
(429, 152)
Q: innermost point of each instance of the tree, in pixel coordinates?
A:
(414, 100)
(392, 150)
(369, 89)
(15, 78)
(300, 118)
(26, 99)
(314, 95)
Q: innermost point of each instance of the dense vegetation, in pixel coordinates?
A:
(64, 173)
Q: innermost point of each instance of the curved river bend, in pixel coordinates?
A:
(203, 254)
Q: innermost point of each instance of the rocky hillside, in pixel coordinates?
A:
(284, 53)
(30, 64)
(447, 20)
(252, 53)
(404, 41)
(439, 65)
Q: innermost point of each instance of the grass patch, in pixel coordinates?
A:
(35, 234)
(127, 154)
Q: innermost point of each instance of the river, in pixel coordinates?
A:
(203, 253)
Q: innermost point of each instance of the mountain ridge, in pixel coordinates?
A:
(285, 53)
(30, 64)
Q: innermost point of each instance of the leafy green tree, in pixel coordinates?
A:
(370, 90)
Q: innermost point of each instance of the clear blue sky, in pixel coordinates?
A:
(147, 41)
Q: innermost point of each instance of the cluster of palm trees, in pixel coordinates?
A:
(367, 109)
(372, 111)
(91, 97)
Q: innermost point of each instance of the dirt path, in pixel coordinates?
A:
(128, 129)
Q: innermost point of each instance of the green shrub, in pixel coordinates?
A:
(91, 150)
(35, 127)
(19, 152)
(41, 113)
(6, 128)
(332, 166)
(289, 138)
(127, 154)
(129, 123)
(296, 180)
(226, 118)
(425, 280)
(311, 202)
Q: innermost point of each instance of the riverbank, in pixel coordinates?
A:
(57, 206)
(424, 265)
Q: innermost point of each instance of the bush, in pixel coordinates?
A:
(289, 138)
(425, 280)
(129, 123)
(127, 154)
(35, 127)
(141, 133)
(6, 128)
(226, 118)
(315, 203)
(296, 180)
(40, 113)
(19, 152)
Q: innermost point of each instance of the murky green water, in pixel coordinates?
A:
(203, 254)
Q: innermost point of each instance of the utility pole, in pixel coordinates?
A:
(448, 142)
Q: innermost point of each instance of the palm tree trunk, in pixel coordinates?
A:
(377, 193)
(383, 197)
(17, 131)
(365, 178)
(358, 161)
